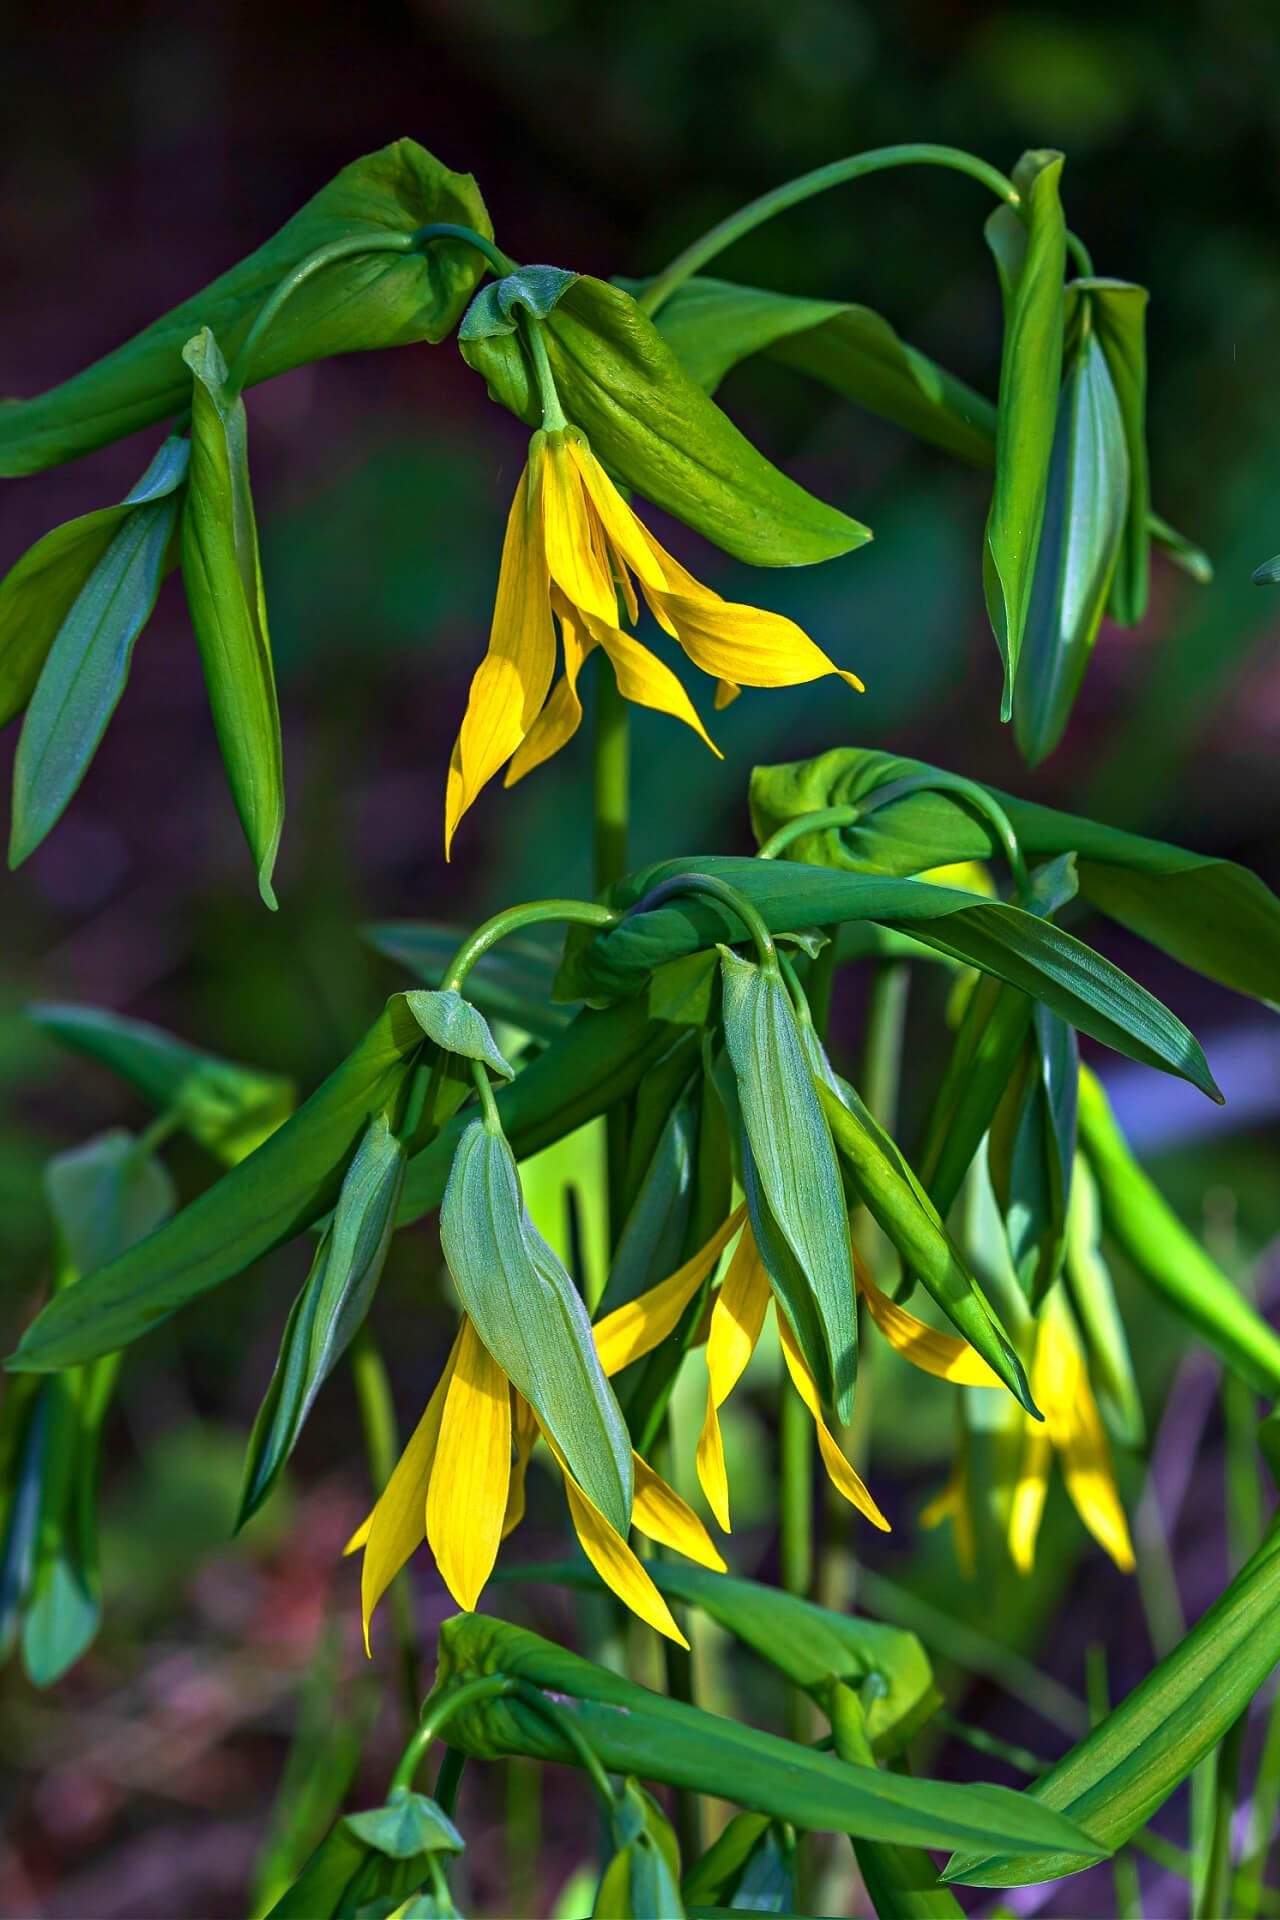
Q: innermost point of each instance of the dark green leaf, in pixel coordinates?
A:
(1093, 1298)
(651, 1242)
(38, 593)
(532, 1320)
(1029, 245)
(1033, 1139)
(1268, 574)
(1118, 312)
(344, 1877)
(457, 1027)
(409, 1824)
(366, 300)
(1117, 1777)
(1208, 913)
(635, 1731)
(1086, 508)
(330, 1309)
(290, 1180)
(656, 431)
(223, 576)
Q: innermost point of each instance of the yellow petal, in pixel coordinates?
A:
(660, 1514)
(970, 876)
(524, 1427)
(952, 1503)
(737, 1317)
(513, 679)
(631, 541)
(745, 645)
(648, 681)
(726, 694)
(617, 1566)
(575, 548)
(841, 1475)
(397, 1526)
(636, 1328)
(1027, 1507)
(467, 1496)
(942, 1354)
(1075, 1426)
(560, 719)
(712, 1475)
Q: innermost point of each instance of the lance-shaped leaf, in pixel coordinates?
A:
(223, 576)
(642, 1881)
(712, 325)
(330, 1309)
(1053, 966)
(1118, 1776)
(511, 982)
(457, 1027)
(901, 1208)
(1118, 314)
(347, 1879)
(635, 1731)
(1086, 509)
(793, 1161)
(81, 646)
(364, 300)
(750, 1866)
(293, 1178)
(658, 432)
(1211, 914)
(1168, 1259)
(1029, 245)
(532, 1320)
(227, 1107)
(653, 1234)
(1098, 1314)
(811, 1645)
(1032, 1151)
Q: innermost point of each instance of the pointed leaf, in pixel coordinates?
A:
(457, 1027)
(1119, 316)
(409, 1824)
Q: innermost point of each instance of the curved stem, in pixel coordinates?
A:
(435, 1715)
(313, 264)
(501, 263)
(585, 913)
(571, 1734)
(982, 802)
(781, 838)
(792, 192)
(1080, 254)
(719, 890)
(553, 414)
(612, 777)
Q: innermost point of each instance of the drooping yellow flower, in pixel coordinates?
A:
(457, 1487)
(1072, 1428)
(574, 551)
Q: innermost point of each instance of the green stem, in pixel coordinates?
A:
(886, 1027)
(572, 1735)
(437, 1712)
(581, 912)
(314, 263)
(501, 263)
(553, 414)
(781, 838)
(982, 802)
(795, 1447)
(1248, 1889)
(449, 1779)
(612, 778)
(382, 1448)
(793, 192)
(718, 889)
(1215, 1899)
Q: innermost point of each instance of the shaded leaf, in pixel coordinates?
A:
(457, 1027)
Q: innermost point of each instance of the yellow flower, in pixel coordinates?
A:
(457, 1487)
(571, 550)
(1072, 1428)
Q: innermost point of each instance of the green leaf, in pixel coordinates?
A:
(642, 1881)
(811, 1645)
(713, 325)
(345, 1878)
(512, 982)
(409, 1824)
(1029, 245)
(496, 308)
(88, 659)
(792, 1165)
(223, 576)
(330, 1309)
(38, 593)
(1166, 1258)
(1268, 574)
(226, 1107)
(1053, 966)
(903, 1211)
(1098, 1314)
(1118, 313)
(1032, 1152)
(656, 431)
(532, 1320)
(751, 1866)
(652, 1239)
(1183, 552)
(457, 1027)
(1208, 913)
(293, 1178)
(1086, 507)
(366, 300)
(24, 1420)
(635, 1731)
(1123, 1771)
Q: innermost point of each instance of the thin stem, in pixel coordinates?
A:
(795, 1446)
(314, 263)
(982, 802)
(382, 1449)
(781, 838)
(581, 912)
(612, 778)
(553, 414)
(488, 1105)
(1080, 254)
(438, 1710)
(449, 1779)
(792, 192)
(1215, 1899)
(572, 1735)
(719, 890)
(501, 263)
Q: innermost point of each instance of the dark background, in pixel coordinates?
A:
(145, 148)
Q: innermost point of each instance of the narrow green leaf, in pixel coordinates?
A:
(1268, 574)
(1208, 913)
(1117, 1777)
(457, 1026)
(38, 593)
(793, 1160)
(651, 1242)
(1118, 312)
(1086, 512)
(363, 301)
(1168, 1260)
(87, 664)
(226, 1107)
(330, 1309)
(530, 1317)
(635, 1731)
(223, 576)
(1032, 1152)
(1029, 245)
(1093, 1298)
(290, 1180)
(658, 432)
